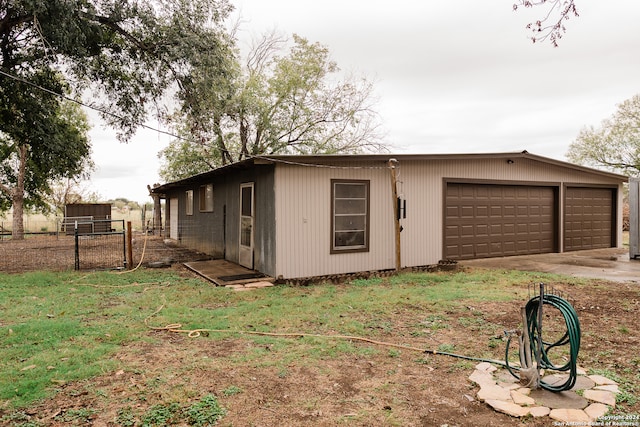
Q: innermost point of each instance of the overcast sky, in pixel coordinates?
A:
(450, 76)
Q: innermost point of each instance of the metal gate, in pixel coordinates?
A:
(100, 244)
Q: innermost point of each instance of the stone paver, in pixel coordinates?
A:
(486, 367)
(601, 396)
(482, 378)
(501, 391)
(582, 382)
(494, 392)
(569, 416)
(262, 284)
(508, 408)
(249, 286)
(521, 399)
(596, 410)
(563, 399)
(600, 380)
(612, 388)
(539, 411)
(510, 386)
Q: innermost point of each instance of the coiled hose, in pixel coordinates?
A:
(570, 337)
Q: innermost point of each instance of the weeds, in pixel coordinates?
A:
(446, 348)
(82, 415)
(161, 415)
(231, 390)
(206, 412)
(126, 417)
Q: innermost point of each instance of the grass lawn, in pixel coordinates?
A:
(82, 348)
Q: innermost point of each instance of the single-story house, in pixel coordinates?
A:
(304, 216)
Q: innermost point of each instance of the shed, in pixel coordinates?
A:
(91, 217)
(306, 216)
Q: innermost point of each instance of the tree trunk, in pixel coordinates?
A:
(224, 152)
(17, 229)
(244, 138)
(17, 198)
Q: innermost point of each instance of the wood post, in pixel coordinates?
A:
(129, 246)
(396, 213)
(157, 212)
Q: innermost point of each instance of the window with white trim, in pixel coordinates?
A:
(349, 216)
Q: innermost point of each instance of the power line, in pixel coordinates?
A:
(100, 110)
(164, 132)
(316, 165)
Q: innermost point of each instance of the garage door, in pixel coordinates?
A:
(589, 220)
(484, 220)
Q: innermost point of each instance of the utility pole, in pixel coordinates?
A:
(396, 214)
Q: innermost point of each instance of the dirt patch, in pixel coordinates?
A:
(384, 387)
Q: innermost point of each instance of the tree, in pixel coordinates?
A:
(47, 141)
(551, 26)
(273, 104)
(127, 54)
(614, 145)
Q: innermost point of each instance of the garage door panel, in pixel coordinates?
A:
(589, 220)
(482, 211)
(520, 220)
(466, 211)
(482, 230)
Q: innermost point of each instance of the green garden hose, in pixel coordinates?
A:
(570, 337)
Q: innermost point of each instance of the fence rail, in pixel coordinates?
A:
(56, 225)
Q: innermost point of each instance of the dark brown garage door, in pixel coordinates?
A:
(589, 218)
(484, 220)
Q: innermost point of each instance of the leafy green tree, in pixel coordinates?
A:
(615, 145)
(126, 54)
(47, 141)
(291, 103)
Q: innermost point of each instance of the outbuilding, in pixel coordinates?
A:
(305, 216)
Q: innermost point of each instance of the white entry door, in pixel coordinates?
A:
(173, 218)
(246, 225)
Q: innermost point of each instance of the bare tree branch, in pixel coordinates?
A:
(550, 27)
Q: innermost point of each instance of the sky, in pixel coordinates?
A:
(450, 76)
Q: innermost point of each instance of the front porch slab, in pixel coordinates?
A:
(222, 272)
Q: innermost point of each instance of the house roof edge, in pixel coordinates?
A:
(307, 160)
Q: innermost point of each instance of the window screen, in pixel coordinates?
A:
(189, 203)
(206, 198)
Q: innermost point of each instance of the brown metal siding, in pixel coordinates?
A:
(97, 211)
(589, 218)
(483, 220)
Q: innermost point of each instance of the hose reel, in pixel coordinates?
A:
(534, 350)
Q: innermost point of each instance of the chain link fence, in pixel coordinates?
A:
(80, 244)
(99, 244)
(57, 252)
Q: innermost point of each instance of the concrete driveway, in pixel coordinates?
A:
(609, 264)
